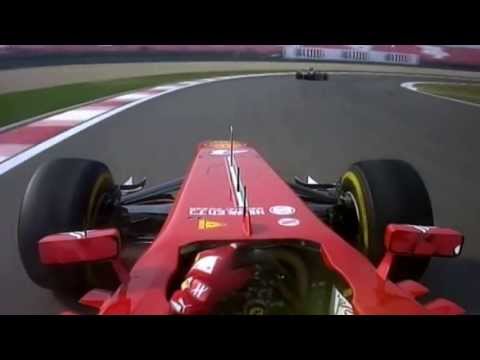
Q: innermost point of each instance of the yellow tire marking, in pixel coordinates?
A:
(361, 204)
(92, 213)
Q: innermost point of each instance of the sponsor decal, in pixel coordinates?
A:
(206, 264)
(256, 310)
(224, 144)
(282, 210)
(76, 234)
(204, 224)
(238, 211)
(224, 152)
(340, 305)
(179, 306)
(457, 250)
(289, 222)
(423, 229)
(199, 290)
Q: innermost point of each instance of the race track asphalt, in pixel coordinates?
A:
(314, 128)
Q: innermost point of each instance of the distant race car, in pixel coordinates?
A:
(232, 237)
(311, 74)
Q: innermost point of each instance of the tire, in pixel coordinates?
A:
(63, 195)
(325, 76)
(385, 192)
(298, 76)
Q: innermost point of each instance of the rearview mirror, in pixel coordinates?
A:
(413, 240)
(80, 246)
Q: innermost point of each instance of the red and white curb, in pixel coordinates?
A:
(412, 85)
(22, 143)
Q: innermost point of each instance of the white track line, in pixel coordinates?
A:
(412, 86)
(33, 151)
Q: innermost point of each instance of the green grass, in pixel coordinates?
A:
(22, 105)
(465, 92)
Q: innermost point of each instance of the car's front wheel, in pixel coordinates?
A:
(382, 192)
(63, 195)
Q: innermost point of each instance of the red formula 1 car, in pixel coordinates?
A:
(232, 237)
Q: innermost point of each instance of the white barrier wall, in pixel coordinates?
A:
(348, 55)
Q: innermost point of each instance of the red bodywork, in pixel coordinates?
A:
(423, 241)
(79, 246)
(209, 186)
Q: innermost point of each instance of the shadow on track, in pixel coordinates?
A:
(461, 284)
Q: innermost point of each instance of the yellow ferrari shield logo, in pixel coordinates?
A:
(204, 224)
(224, 144)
